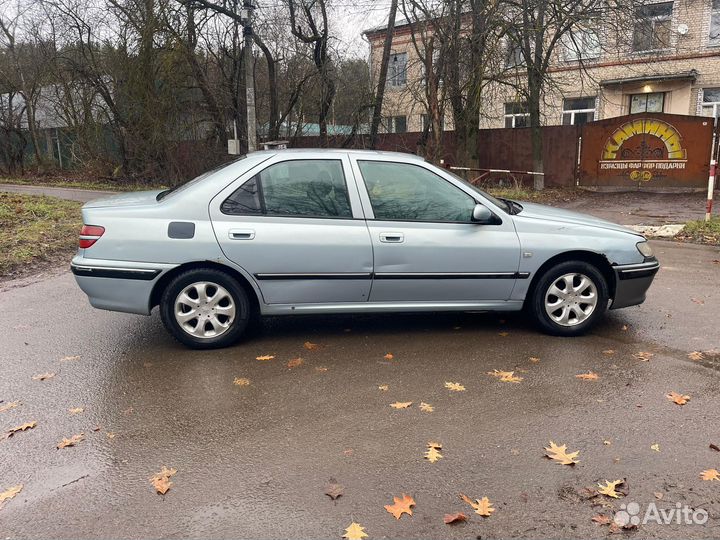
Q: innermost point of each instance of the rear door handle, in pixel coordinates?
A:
(392, 237)
(241, 234)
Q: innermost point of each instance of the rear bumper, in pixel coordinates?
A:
(118, 285)
(632, 282)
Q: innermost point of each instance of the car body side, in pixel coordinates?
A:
(138, 253)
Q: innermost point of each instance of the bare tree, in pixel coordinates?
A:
(382, 75)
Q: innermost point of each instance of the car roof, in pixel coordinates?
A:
(355, 152)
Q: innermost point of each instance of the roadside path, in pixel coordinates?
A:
(70, 194)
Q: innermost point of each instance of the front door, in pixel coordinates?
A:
(299, 231)
(426, 247)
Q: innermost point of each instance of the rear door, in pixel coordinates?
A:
(426, 246)
(298, 229)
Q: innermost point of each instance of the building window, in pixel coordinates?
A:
(710, 105)
(714, 38)
(516, 114)
(425, 122)
(434, 62)
(396, 124)
(652, 27)
(652, 102)
(577, 111)
(514, 55)
(397, 70)
(581, 44)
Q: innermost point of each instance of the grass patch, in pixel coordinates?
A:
(702, 232)
(36, 232)
(79, 183)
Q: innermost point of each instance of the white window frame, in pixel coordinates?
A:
(575, 45)
(655, 19)
(397, 78)
(515, 116)
(391, 123)
(573, 112)
(715, 105)
(646, 94)
(714, 41)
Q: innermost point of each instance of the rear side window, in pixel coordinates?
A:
(299, 188)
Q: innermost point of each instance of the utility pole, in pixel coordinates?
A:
(246, 17)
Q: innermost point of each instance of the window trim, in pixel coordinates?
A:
(261, 192)
(706, 104)
(391, 78)
(358, 161)
(516, 115)
(572, 112)
(714, 12)
(631, 96)
(654, 20)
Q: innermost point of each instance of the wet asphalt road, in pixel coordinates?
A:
(253, 461)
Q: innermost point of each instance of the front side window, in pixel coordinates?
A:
(299, 188)
(714, 37)
(397, 70)
(710, 105)
(652, 27)
(516, 114)
(577, 111)
(405, 192)
(652, 102)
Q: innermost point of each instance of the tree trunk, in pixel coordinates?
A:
(534, 97)
(382, 76)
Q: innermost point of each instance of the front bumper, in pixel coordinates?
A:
(632, 282)
(118, 285)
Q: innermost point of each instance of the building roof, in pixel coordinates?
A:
(682, 76)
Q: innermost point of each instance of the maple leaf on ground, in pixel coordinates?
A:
(696, 356)
(389, 356)
(9, 405)
(43, 376)
(334, 490)
(457, 517)
(9, 494)
(355, 532)
(383, 387)
(401, 505)
(72, 441)
(22, 427)
(265, 357)
(426, 407)
(609, 488)
(454, 387)
(401, 404)
(295, 362)
(505, 376)
(710, 474)
(76, 410)
(241, 381)
(560, 454)
(310, 346)
(161, 481)
(643, 356)
(482, 507)
(589, 376)
(679, 399)
(602, 519)
(432, 454)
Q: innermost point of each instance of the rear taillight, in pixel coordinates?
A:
(89, 234)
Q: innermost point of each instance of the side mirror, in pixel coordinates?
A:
(481, 214)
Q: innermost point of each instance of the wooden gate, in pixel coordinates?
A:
(646, 151)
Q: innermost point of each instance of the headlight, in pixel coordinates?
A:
(645, 249)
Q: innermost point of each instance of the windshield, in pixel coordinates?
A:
(500, 203)
(181, 187)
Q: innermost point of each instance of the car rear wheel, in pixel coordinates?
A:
(205, 309)
(569, 298)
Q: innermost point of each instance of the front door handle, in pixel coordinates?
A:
(392, 237)
(241, 234)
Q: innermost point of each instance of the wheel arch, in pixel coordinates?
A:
(598, 260)
(167, 277)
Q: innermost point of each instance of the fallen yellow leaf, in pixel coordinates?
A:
(696, 356)
(401, 506)
(534, 359)
(609, 351)
(432, 454)
(389, 356)
(9, 494)
(710, 474)
(72, 441)
(482, 506)
(560, 454)
(426, 407)
(609, 488)
(76, 410)
(454, 387)
(655, 447)
(161, 481)
(355, 532)
(310, 346)
(589, 376)
(22, 427)
(241, 381)
(295, 362)
(505, 376)
(643, 356)
(401, 404)
(70, 358)
(383, 387)
(9, 405)
(265, 357)
(679, 399)
(43, 376)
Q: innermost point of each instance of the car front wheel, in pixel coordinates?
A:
(569, 298)
(205, 309)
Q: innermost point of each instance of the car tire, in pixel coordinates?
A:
(569, 298)
(205, 309)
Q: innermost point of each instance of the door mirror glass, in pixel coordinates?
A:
(481, 214)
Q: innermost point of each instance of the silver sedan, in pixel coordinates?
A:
(330, 231)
